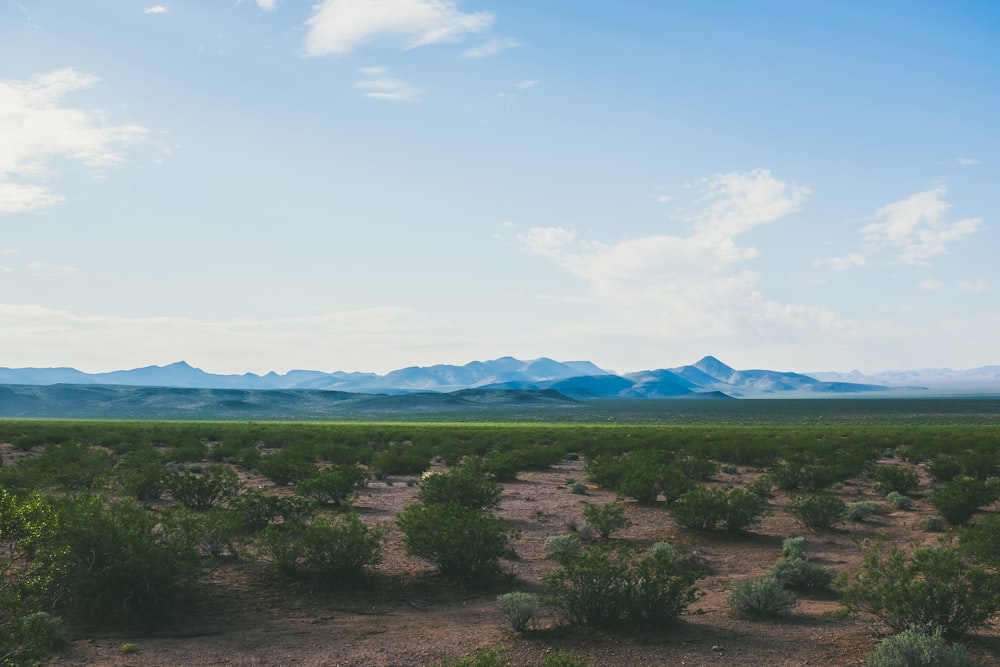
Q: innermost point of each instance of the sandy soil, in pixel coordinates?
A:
(406, 615)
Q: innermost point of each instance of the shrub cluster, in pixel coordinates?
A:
(911, 648)
(706, 509)
(606, 518)
(760, 599)
(817, 511)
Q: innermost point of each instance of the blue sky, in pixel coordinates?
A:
(371, 184)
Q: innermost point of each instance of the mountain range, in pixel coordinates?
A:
(574, 379)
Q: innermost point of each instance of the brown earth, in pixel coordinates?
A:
(406, 615)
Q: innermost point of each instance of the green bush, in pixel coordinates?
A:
(520, 609)
(760, 599)
(981, 541)
(464, 544)
(113, 557)
(932, 589)
(494, 656)
(142, 474)
(601, 587)
(561, 659)
(889, 478)
(606, 518)
(801, 575)
(203, 490)
(562, 544)
(817, 511)
(793, 547)
(467, 485)
(911, 648)
(862, 509)
(962, 497)
(899, 501)
(31, 638)
(338, 548)
(336, 484)
(705, 509)
(286, 466)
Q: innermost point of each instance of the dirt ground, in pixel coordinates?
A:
(406, 615)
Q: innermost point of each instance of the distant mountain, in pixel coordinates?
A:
(574, 379)
(985, 379)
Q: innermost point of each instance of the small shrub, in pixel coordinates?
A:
(579, 488)
(889, 478)
(559, 545)
(467, 485)
(932, 589)
(336, 484)
(561, 659)
(37, 635)
(520, 609)
(899, 501)
(911, 648)
(465, 544)
(793, 547)
(494, 656)
(729, 469)
(606, 518)
(862, 509)
(128, 648)
(760, 599)
(818, 511)
(800, 575)
(203, 490)
(960, 498)
(705, 509)
(981, 541)
(933, 523)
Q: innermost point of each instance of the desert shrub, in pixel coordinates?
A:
(342, 547)
(113, 557)
(216, 532)
(562, 544)
(257, 509)
(944, 468)
(26, 522)
(895, 478)
(520, 609)
(981, 541)
(705, 509)
(932, 589)
(933, 523)
(817, 511)
(606, 518)
(960, 498)
(762, 486)
(286, 466)
(203, 490)
(562, 659)
(793, 547)
(862, 509)
(760, 599)
(911, 648)
(729, 469)
(336, 484)
(464, 544)
(142, 474)
(31, 639)
(899, 501)
(467, 485)
(601, 587)
(400, 459)
(494, 656)
(801, 575)
(579, 488)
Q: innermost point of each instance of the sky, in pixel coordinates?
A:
(366, 185)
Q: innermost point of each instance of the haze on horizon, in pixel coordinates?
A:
(365, 185)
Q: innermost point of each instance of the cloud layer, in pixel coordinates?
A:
(37, 128)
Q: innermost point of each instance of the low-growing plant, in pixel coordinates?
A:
(493, 656)
(801, 575)
(579, 488)
(203, 490)
(606, 518)
(912, 648)
(962, 497)
(932, 523)
(336, 484)
(889, 478)
(465, 544)
(562, 659)
(562, 544)
(706, 509)
(37, 636)
(817, 511)
(862, 509)
(467, 485)
(899, 501)
(760, 599)
(931, 589)
(520, 609)
(793, 547)
(981, 541)
(603, 586)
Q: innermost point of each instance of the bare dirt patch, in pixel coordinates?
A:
(406, 615)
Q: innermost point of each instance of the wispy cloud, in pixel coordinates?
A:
(524, 85)
(696, 284)
(968, 161)
(38, 127)
(341, 26)
(492, 47)
(386, 87)
(916, 228)
(155, 9)
(974, 286)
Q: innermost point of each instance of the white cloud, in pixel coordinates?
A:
(688, 285)
(968, 161)
(492, 47)
(340, 26)
(373, 71)
(388, 88)
(267, 5)
(524, 85)
(37, 128)
(931, 285)
(849, 261)
(916, 228)
(155, 9)
(974, 286)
